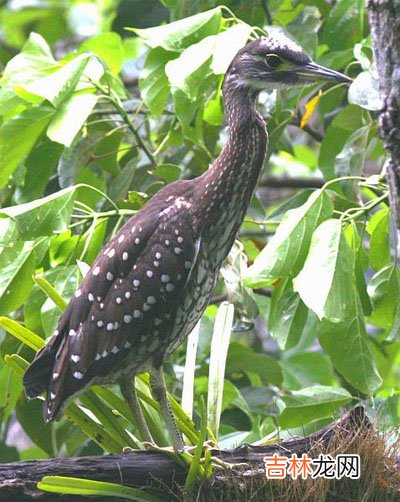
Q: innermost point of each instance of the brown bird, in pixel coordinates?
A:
(148, 288)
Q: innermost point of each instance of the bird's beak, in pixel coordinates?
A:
(313, 71)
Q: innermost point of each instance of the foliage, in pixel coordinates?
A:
(81, 149)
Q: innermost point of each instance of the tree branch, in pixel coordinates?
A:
(291, 182)
(268, 14)
(149, 468)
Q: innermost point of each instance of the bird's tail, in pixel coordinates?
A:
(36, 377)
(45, 374)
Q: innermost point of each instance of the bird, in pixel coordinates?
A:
(149, 286)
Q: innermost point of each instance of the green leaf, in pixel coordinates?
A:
(70, 117)
(285, 253)
(168, 172)
(364, 91)
(343, 27)
(219, 350)
(108, 47)
(379, 244)
(18, 136)
(74, 413)
(384, 291)
(64, 281)
(360, 264)
(40, 165)
(153, 82)
(108, 420)
(82, 487)
(350, 161)
(17, 265)
(311, 403)
(50, 292)
(196, 470)
(184, 108)
(21, 333)
(347, 345)
(32, 63)
(188, 71)
(303, 369)
(227, 44)
(287, 316)
(59, 85)
(213, 113)
(29, 415)
(232, 397)
(36, 44)
(43, 216)
(242, 359)
(338, 132)
(183, 33)
(10, 391)
(263, 400)
(330, 294)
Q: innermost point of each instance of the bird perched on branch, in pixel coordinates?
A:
(150, 285)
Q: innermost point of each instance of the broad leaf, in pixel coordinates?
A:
(326, 281)
(379, 244)
(108, 46)
(347, 345)
(153, 81)
(287, 316)
(311, 403)
(70, 118)
(17, 137)
(183, 33)
(303, 369)
(17, 265)
(350, 161)
(364, 91)
(30, 416)
(227, 44)
(338, 132)
(242, 359)
(58, 86)
(342, 27)
(384, 291)
(43, 216)
(285, 253)
(189, 70)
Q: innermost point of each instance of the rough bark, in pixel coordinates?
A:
(149, 468)
(384, 18)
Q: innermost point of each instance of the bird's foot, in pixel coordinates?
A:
(128, 449)
(185, 456)
(221, 465)
(154, 447)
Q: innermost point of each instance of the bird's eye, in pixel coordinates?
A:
(273, 61)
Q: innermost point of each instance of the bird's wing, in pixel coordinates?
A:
(124, 302)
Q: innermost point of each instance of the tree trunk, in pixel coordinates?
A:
(384, 18)
(150, 468)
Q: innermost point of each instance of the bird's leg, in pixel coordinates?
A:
(128, 390)
(159, 391)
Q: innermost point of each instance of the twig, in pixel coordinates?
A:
(291, 182)
(268, 14)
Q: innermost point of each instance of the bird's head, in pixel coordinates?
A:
(274, 62)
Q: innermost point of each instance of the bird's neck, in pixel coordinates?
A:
(231, 179)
